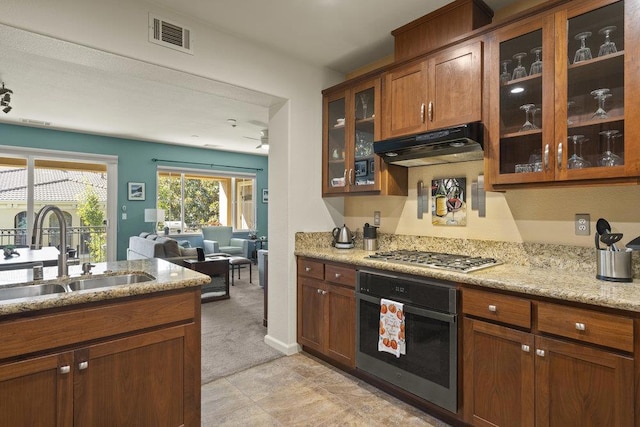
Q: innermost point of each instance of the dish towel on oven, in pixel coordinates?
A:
(391, 337)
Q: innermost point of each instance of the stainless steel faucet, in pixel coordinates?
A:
(36, 238)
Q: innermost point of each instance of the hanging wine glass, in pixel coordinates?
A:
(576, 161)
(536, 66)
(364, 101)
(584, 53)
(505, 76)
(600, 95)
(527, 108)
(608, 46)
(609, 158)
(519, 72)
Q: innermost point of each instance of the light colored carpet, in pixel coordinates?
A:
(232, 331)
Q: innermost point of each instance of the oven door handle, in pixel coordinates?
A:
(445, 317)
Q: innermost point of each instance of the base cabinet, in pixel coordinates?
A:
(520, 378)
(147, 378)
(326, 310)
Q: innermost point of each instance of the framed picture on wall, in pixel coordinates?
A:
(265, 195)
(135, 191)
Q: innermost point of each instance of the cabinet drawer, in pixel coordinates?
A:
(309, 268)
(500, 308)
(342, 275)
(586, 325)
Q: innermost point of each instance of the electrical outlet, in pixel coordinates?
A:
(583, 225)
(376, 218)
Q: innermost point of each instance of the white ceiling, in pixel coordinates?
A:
(94, 95)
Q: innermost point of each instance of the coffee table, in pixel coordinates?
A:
(218, 269)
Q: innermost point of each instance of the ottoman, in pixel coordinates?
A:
(238, 261)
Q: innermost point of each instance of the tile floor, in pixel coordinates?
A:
(301, 390)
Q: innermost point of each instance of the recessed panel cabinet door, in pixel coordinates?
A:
(311, 313)
(37, 392)
(499, 374)
(341, 324)
(405, 94)
(134, 381)
(581, 386)
(455, 87)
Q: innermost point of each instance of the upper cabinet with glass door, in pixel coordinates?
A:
(351, 124)
(563, 85)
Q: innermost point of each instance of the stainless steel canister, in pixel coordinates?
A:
(370, 238)
(614, 266)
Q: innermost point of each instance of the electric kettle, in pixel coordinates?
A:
(342, 237)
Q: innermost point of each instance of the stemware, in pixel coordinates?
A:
(576, 161)
(364, 100)
(454, 203)
(609, 158)
(600, 95)
(527, 108)
(536, 66)
(534, 110)
(584, 53)
(505, 76)
(570, 105)
(519, 72)
(608, 46)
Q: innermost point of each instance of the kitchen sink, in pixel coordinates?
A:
(106, 281)
(30, 291)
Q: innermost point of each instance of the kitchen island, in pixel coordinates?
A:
(122, 355)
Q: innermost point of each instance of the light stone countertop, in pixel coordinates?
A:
(167, 275)
(576, 283)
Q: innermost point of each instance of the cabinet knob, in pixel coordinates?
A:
(581, 326)
(324, 292)
(540, 352)
(65, 369)
(430, 111)
(338, 275)
(318, 291)
(307, 269)
(493, 308)
(525, 348)
(560, 156)
(83, 365)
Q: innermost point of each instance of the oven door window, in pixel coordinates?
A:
(428, 343)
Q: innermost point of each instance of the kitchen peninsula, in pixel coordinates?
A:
(127, 354)
(539, 325)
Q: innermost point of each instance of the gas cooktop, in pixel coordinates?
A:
(442, 261)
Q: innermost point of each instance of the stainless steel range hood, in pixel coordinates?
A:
(452, 145)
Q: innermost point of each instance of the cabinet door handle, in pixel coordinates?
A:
(319, 291)
(540, 352)
(422, 113)
(350, 176)
(581, 326)
(65, 369)
(430, 111)
(493, 308)
(525, 348)
(546, 157)
(307, 269)
(560, 156)
(83, 365)
(324, 292)
(338, 275)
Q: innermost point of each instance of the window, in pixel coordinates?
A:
(193, 199)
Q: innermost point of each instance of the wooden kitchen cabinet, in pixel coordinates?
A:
(126, 363)
(443, 90)
(351, 122)
(527, 377)
(326, 310)
(547, 127)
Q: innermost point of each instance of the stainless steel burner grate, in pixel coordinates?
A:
(443, 261)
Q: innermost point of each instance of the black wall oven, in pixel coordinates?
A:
(429, 367)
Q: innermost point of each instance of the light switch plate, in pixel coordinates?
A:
(583, 224)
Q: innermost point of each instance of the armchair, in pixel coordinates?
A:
(221, 240)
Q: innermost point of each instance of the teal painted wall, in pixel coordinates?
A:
(135, 164)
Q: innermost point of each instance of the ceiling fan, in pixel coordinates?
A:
(264, 139)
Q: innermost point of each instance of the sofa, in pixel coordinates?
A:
(220, 239)
(147, 245)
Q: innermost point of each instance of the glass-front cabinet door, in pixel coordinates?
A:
(334, 156)
(564, 94)
(366, 130)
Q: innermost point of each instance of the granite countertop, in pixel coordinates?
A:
(536, 278)
(167, 275)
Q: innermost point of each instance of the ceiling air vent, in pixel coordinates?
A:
(169, 34)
